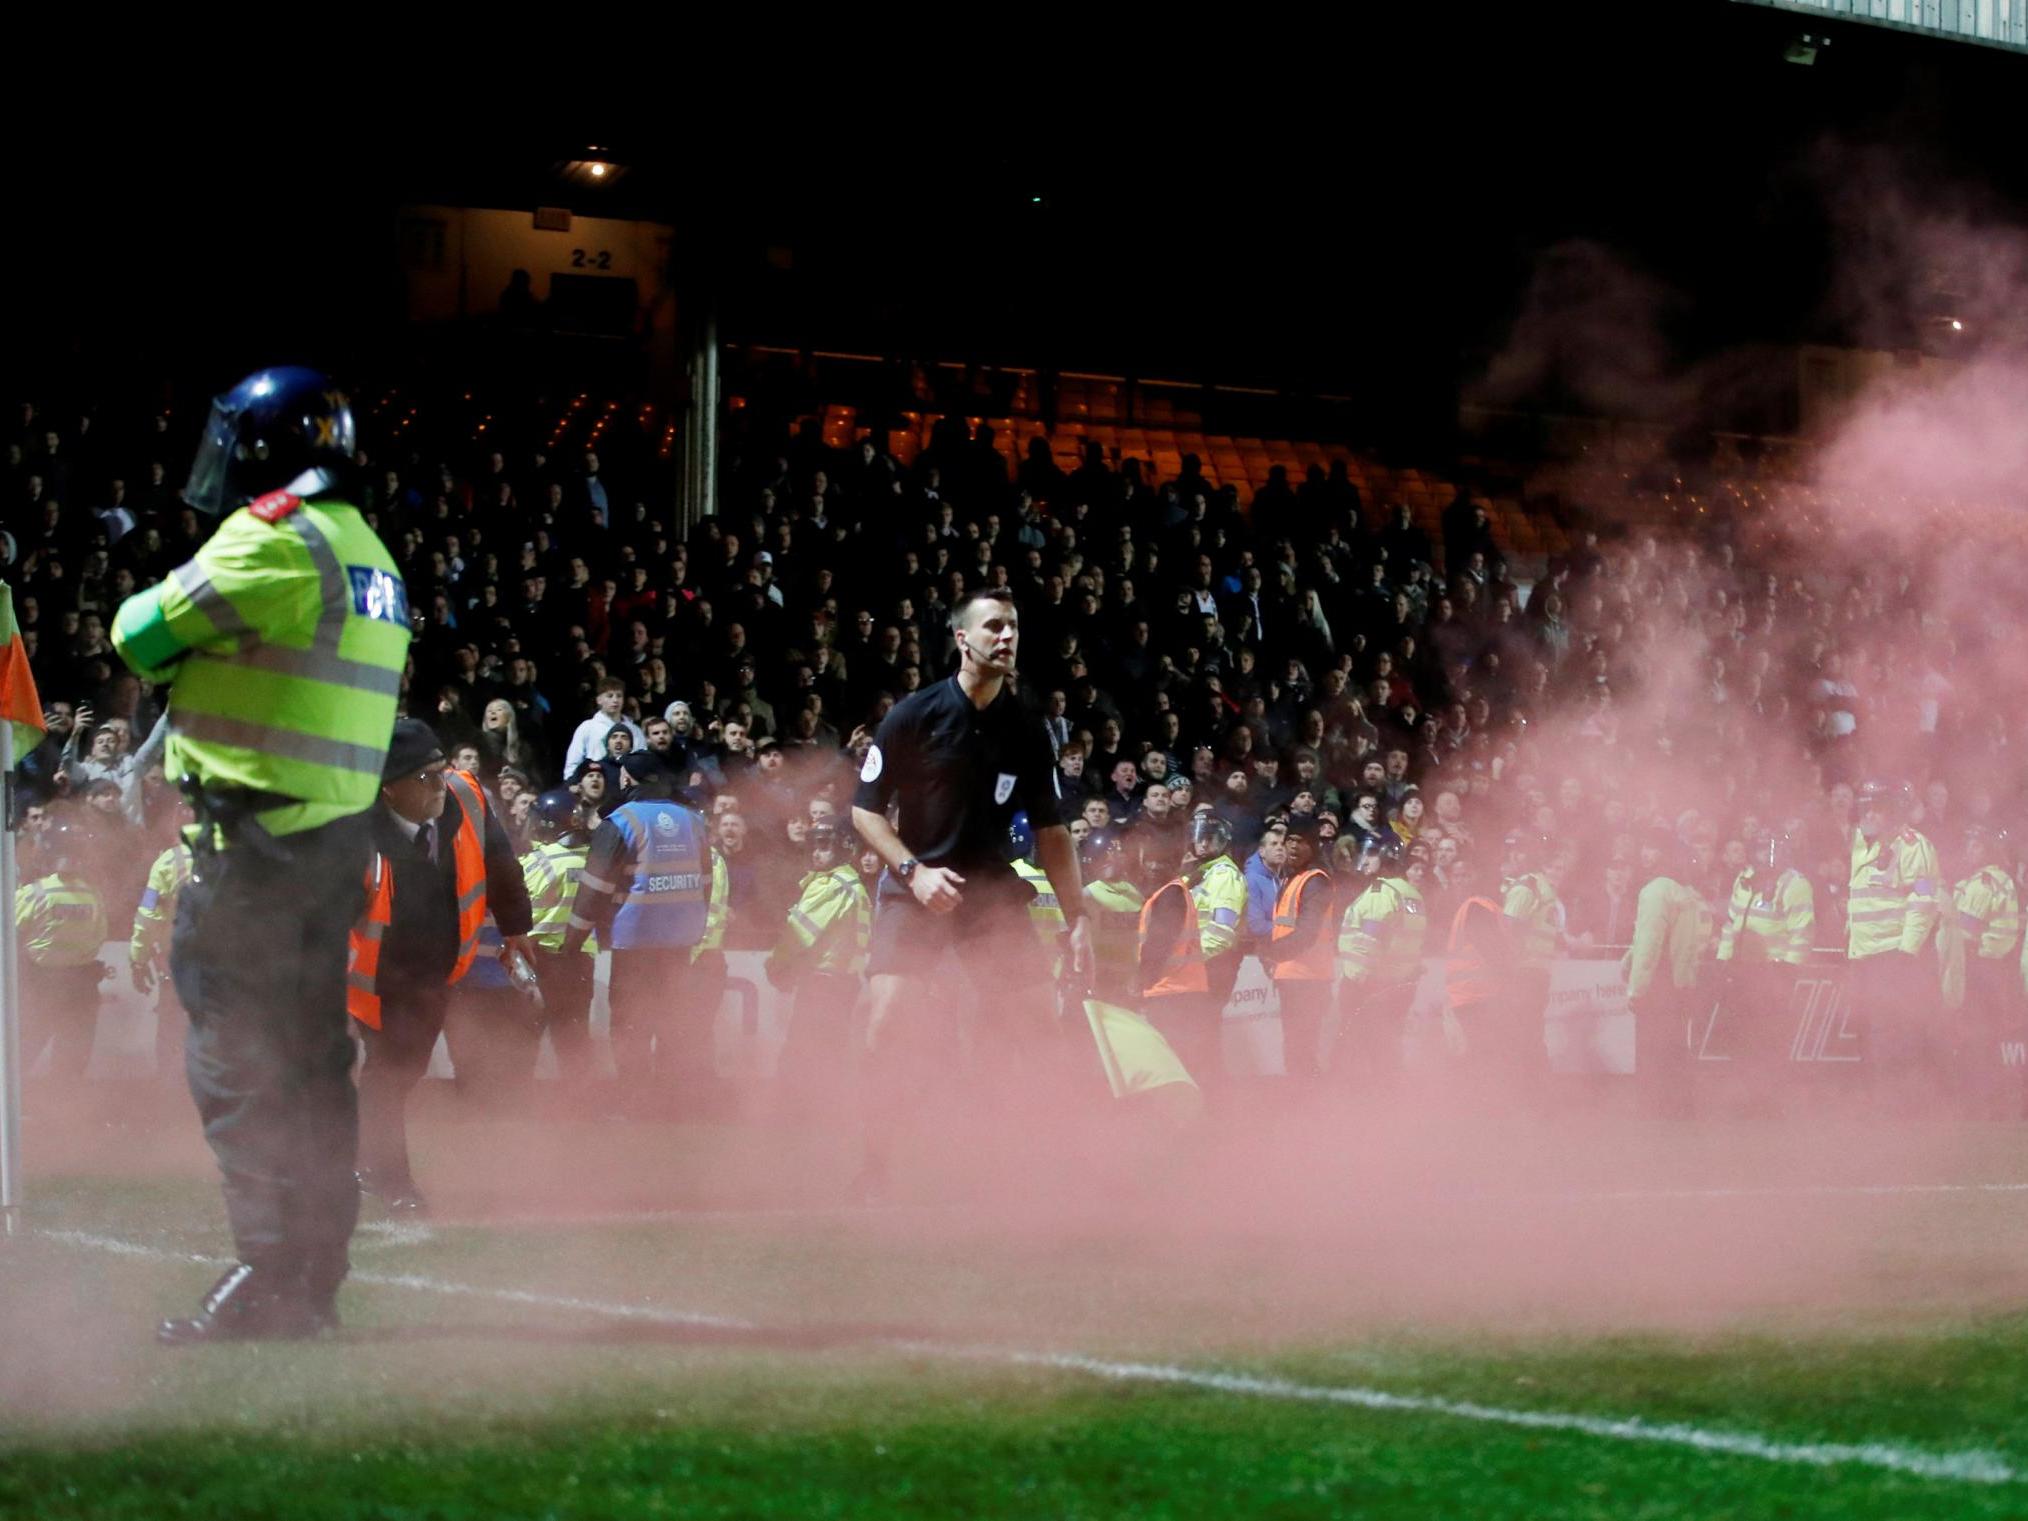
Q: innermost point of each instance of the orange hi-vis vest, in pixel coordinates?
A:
(1478, 954)
(1303, 952)
(468, 857)
(1172, 960)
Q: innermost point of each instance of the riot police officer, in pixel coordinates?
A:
(552, 868)
(284, 638)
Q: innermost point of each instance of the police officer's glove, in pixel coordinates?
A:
(143, 973)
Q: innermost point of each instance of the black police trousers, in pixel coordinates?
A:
(258, 957)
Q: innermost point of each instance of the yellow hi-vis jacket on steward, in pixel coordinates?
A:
(828, 928)
(1045, 914)
(285, 637)
(60, 921)
(1769, 922)
(1892, 903)
(1381, 938)
(1672, 925)
(1984, 924)
(1114, 909)
(1534, 920)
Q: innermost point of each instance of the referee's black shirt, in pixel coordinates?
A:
(961, 773)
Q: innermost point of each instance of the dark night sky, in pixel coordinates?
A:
(1370, 227)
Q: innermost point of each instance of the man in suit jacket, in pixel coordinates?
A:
(444, 866)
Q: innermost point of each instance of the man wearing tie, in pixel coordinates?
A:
(443, 865)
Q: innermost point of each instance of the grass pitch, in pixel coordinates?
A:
(1611, 1320)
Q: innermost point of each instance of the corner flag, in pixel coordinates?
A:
(20, 704)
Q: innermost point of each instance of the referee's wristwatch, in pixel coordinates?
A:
(906, 870)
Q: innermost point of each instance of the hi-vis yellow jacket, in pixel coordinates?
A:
(1533, 919)
(1769, 921)
(1892, 903)
(1672, 924)
(1381, 939)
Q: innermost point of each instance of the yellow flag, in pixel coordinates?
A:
(1135, 1055)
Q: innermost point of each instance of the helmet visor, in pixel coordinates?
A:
(205, 489)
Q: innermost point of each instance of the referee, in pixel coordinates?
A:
(957, 761)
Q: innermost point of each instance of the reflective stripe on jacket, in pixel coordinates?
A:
(666, 899)
(1114, 909)
(1045, 914)
(1478, 956)
(156, 911)
(1672, 924)
(60, 922)
(1172, 954)
(552, 872)
(1534, 917)
(1381, 939)
(1300, 945)
(1765, 924)
(287, 639)
(468, 859)
(829, 925)
(1892, 903)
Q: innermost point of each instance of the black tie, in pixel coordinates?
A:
(426, 843)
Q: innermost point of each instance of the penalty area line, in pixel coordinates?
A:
(1965, 1467)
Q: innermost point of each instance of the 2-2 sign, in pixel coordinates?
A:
(579, 259)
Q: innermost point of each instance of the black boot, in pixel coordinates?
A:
(323, 1271)
(248, 1304)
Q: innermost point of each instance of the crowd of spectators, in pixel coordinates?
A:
(1305, 657)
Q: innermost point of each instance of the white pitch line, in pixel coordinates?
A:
(679, 1215)
(1967, 1467)
(1972, 1467)
(396, 1233)
(1786, 1191)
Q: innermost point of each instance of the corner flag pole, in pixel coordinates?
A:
(10, 1005)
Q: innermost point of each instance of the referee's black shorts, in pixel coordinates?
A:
(989, 934)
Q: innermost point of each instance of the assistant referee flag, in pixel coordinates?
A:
(1135, 1055)
(19, 702)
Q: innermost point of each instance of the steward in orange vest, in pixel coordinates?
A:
(1494, 1009)
(442, 863)
(1302, 957)
(1190, 950)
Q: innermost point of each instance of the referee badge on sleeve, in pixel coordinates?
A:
(870, 771)
(1004, 789)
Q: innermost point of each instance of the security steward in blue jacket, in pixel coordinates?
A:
(646, 893)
